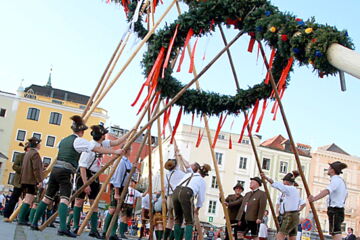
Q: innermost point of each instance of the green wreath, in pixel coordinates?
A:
(305, 41)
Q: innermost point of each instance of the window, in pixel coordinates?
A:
(46, 160)
(266, 164)
(242, 164)
(15, 154)
(37, 135)
(212, 207)
(283, 167)
(2, 112)
(50, 141)
(241, 182)
(219, 157)
(245, 141)
(57, 102)
(11, 178)
(20, 135)
(82, 106)
(55, 118)
(33, 114)
(214, 183)
(221, 137)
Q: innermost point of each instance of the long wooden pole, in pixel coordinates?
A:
(163, 199)
(250, 135)
(292, 142)
(209, 137)
(101, 80)
(151, 207)
(113, 169)
(147, 36)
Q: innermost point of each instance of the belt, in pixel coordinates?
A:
(296, 211)
(65, 165)
(336, 207)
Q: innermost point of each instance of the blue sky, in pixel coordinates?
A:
(78, 38)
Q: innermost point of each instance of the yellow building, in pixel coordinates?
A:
(44, 112)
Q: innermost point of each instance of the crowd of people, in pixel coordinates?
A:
(78, 160)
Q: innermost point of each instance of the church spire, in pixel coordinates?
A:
(48, 84)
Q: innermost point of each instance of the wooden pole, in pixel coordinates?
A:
(101, 80)
(163, 202)
(147, 36)
(292, 142)
(250, 135)
(209, 137)
(151, 207)
(113, 169)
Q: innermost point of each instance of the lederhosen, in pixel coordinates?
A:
(113, 201)
(127, 208)
(287, 219)
(336, 217)
(183, 200)
(62, 174)
(95, 185)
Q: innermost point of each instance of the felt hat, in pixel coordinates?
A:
(170, 164)
(338, 166)
(238, 185)
(78, 124)
(205, 169)
(257, 179)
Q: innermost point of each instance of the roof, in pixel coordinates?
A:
(334, 148)
(280, 143)
(3, 156)
(56, 93)
(8, 93)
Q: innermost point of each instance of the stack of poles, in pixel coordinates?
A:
(209, 137)
(250, 134)
(292, 142)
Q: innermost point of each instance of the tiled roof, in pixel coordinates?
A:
(334, 148)
(280, 143)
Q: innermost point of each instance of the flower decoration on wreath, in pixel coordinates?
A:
(290, 38)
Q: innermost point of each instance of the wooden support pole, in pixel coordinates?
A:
(163, 199)
(250, 134)
(292, 142)
(101, 80)
(209, 137)
(151, 207)
(147, 36)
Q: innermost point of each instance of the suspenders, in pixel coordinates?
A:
(187, 181)
(169, 185)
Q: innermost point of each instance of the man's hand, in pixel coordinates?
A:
(262, 174)
(117, 196)
(226, 204)
(119, 151)
(311, 198)
(87, 190)
(258, 221)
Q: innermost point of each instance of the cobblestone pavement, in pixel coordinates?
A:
(12, 231)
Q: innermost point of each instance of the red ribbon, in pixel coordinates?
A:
(192, 122)
(212, 23)
(166, 62)
(220, 125)
(285, 73)
(155, 101)
(277, 104)
(272, 56)
(188, 37)
(253, 114)
(166, 117)
(125, 5)
(259, 122)
(192, 57)
(246, 122)
(252, 41)
(176, 125)
(200, 136)
(230, 140)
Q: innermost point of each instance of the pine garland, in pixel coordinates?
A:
(306, 41)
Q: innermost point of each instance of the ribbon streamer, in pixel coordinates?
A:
(253, 115)
(220, 125)
(188, 37)
(272, 56)
(166, 62)
(192, 57)
(176, 125)
(251, 42)
(259, 122)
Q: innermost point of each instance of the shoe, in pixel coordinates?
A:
(23, 223)
(75, 231)
(96, 235)
(114, 237)
(66, 233)
(34, 227)
(123, 237)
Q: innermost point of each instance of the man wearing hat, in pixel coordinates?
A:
(17, 165)
(233, 203)
(252, 210)
(289, 205)
(337, 196)
(31, 177)
(89, 165)
(190, 186)
(70, 149)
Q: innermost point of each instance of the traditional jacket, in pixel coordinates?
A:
(253, 206)
(234, 204)
(31, 171)
(17, 168)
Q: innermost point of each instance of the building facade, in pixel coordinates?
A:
(44, 112)
(319, 164)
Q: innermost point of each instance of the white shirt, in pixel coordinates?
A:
(172, 179)
(145, 201)
(121, 173)
(93, 158)
(82, 145)
(197, 185)
(131, 196)
(290, 197)
(338, 192)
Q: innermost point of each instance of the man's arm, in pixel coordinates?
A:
(120, 140)
(87, 190)
(322, 194)
(236, 202)
(37, 167)
(17, 163)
